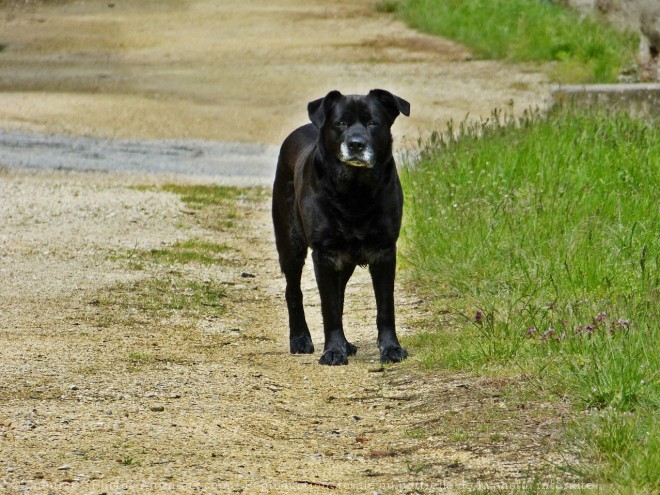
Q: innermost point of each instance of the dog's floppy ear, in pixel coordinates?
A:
(318, 109)
(392, 103)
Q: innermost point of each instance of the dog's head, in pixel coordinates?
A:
(355, 129)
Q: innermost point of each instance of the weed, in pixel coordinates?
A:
(141, 357)
(416, 433)
(417, 468)
(387, 6)
(459, 437)
(129, 461)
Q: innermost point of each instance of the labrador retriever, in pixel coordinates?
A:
(337, 192)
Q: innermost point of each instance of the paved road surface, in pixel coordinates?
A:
(227, 163)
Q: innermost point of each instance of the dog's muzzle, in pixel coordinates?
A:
(356, 152)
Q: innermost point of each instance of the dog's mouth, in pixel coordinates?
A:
(355, 162)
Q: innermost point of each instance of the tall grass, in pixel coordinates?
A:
(582, 49)
(543, 235)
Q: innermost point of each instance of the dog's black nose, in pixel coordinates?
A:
(357, 144)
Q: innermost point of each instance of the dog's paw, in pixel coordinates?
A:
(394, 354)
(334, 357)
(351, 349)
(301, 345)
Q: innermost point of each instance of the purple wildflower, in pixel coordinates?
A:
(579, 328)
(479, 316)
(551, 332)
(600, 317)
(621, 324)
(531, 331)
(590, 328)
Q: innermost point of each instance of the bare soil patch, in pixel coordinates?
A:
(108, 382)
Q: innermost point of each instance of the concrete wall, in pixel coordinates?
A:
(639, 99)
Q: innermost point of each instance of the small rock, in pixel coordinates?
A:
(9, 470)
(157, 408)
(73, 387)
(39, 476)
(64, 467)
(248, 275)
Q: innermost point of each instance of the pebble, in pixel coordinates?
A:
(157, 408)
(64, 467)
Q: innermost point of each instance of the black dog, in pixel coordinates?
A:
(337, 191)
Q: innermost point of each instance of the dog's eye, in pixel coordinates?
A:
(372, 123)
(340, 123)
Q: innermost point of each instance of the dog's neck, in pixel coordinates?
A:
(353, 187)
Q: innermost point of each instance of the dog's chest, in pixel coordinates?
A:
(357, 237)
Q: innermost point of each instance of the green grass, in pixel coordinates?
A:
(202, 195)
(190, 251)
(582, 50)
(540, 239)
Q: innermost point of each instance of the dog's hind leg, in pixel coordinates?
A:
(292, 251)
(300, 340)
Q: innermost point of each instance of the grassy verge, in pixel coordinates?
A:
(582, 50)
(539, 240)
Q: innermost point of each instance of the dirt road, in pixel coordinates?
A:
(124, 369)
(230, 71)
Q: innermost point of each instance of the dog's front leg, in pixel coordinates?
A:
(329, 281)
(382, 276)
